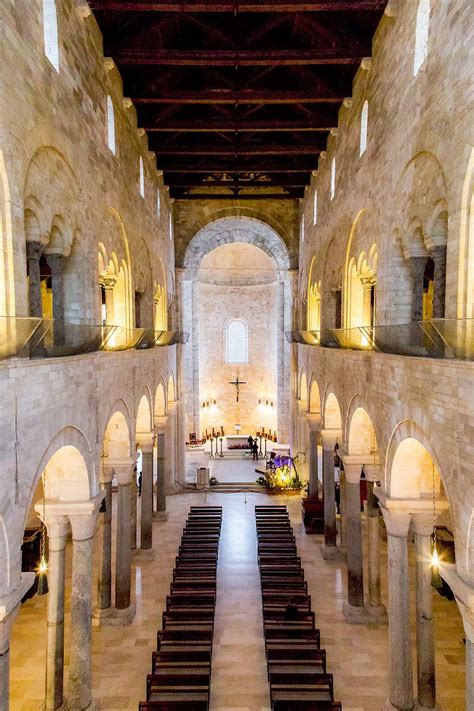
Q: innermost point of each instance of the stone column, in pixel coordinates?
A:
(123, 574)
(33, 255)
(401, 681)
(180, 427)
(438, 254)
(56, 263)
(354, 608)
(57, 531)
(161, 514)
(329, 550)
(104, 580)
(313, 423)
(425, 645)
(375, 606)
(170, 457)
(133, 510)
(146, 499)
(9, 606)
(83, 522)
(417, 268)
(343, 514)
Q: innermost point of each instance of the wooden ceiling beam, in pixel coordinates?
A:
(242, 6)
(236, 98)
(233, 126)
(238, 58)
(267, 150)
(240, 196)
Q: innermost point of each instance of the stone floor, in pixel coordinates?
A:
(357, 655)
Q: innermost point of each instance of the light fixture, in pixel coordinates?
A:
(43, 588)
(436, 580)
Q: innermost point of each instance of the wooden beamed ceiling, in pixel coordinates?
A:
(237, 97)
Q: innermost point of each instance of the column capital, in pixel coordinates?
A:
(160, 424)
(146, 440)
(56, 262)
(122, 468)
(34, 250)
(313, 420)
(422, 523)
(396, 522)
(57, 524)
(353, 464)
(83, 518)
(330, 437)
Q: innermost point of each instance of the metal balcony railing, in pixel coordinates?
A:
(437, 338)
(45, 338)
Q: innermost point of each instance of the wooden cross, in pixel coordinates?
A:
(237, 384)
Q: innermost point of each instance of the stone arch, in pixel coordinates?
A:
(465, 291)
(360, 436)
(172, 395)
(303, 389)
(69, 469)
(144, 414)
(118, 438)
(332, 418)
(226, 230)
(160, 399)
(314, 396)
(397, 477)
(5, 573)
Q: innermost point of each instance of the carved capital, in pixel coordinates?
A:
(34, 250)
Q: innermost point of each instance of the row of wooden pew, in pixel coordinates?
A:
(296, 663)
(181, 666)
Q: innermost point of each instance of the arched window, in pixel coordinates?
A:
(421, 35)
(158, 203)
(364, 122)
(142, 178)
(333, 178)
(50, 32)
(236, 342)
(110, 124)
(315, 207)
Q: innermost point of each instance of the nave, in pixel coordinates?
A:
(121, 656)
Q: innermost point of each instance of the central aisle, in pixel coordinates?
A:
(239, 680)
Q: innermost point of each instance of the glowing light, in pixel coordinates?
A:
(43, 566)
(435, 561)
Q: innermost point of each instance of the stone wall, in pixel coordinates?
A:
(393, 199)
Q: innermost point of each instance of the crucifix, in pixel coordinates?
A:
(237, 384)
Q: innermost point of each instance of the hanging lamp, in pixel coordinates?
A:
(43, 588)
(436, 580)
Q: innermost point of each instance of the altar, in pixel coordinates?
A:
(237, 441)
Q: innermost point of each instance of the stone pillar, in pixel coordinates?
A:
(425, 645)
(9, 607)
(438, 254)
(343, 514)
(375, 606)
(57, 531)
(104, 580)
(161, 514)
(401, 681)
(124, 472)
(33, 255)
(354, 608)
(180, 429)
(170, 456)
(146, 499)
(56, 263)
(133, 509)
(313, 423)
(417, 268)
(83, 522)
(329, 549)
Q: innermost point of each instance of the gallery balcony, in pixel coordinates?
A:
(45, 338)
(437, 338)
